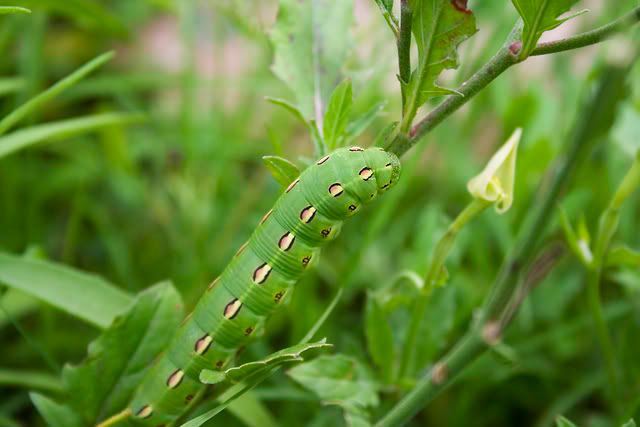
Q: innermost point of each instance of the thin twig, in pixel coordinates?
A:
(502, 60)
(404, 48)
(488, 329)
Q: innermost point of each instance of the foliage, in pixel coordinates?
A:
(156, 161)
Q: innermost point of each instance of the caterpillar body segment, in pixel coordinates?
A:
(262, 273)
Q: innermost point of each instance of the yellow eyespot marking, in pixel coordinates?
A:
(322, 160)
(356, 149)
(244, 245)
(145, 412)
(307, 214)
(305, 260)
(365, 173)
(261, 273)
(325, 232)
(264, 218)
(232, 309)
(214, 283)
(335, 189)
(175, 379)
(286, 241)
(293, 184)
(203, 344)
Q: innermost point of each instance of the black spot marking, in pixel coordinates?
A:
(352, 208)
(325, 232)
(278, 296)
(305, 260)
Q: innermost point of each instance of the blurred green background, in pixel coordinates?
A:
(175, 196)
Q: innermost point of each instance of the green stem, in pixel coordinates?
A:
(607, 228)
(442, 249)
(502, 60)
(590, 37)
(404, 48)
(476, 340)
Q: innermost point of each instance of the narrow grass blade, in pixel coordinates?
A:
(34, 103)
(62, 129)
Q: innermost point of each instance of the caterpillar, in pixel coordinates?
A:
(261, 274)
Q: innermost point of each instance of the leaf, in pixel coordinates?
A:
(240, 373)
(439, 26)
(338, 380)
(55, 414)
(622, 255)
(337, 115)
(362, 122)
(379, 337)
(83, 295)
(282, 169)
(311, 41)
(27, 137)
(116, 361)
(563, 422)
(5, 10)
(539, 16)
(289, 107)
(37, 101)
(630, 423)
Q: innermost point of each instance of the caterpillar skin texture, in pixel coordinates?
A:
(254, 284)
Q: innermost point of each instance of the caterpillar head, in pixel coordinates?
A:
(386, 167)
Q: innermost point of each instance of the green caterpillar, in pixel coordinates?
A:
(289, 237)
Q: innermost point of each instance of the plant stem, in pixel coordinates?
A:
(115, 419)
(441, 250)
(501, 61)
(477, 339)
(404, 48)
(590, 37)
(607, 227)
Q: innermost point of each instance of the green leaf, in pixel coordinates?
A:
(337, 115)
(630, 423)
(27, 137)
(30, 380)
(5, 10)
(55, 414)
(311, 41)
(563, 422)
(379, 337)
(83, 295)
(37, 101)
(116, 361)
(282, 169)
(289, 107)
(439, 26)
(539, 16)
(622, 255)
(240, 373)
(338, 380)
(362, 122)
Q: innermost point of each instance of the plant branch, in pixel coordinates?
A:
(501, 61)
(607, 228)
(432, 279)
(488, 329)
(404, 48)
(590, 37)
